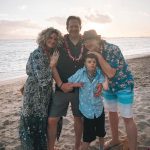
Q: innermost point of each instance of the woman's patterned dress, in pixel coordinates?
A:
(36, 100)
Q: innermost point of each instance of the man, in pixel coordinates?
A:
(120, 93)
(70, 60)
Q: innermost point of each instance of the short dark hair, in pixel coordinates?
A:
(73, 17)
(90, 55)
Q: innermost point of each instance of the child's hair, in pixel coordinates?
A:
(90, 56)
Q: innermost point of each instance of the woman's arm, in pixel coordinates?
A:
(53, 63)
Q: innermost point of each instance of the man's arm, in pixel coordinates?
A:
(65, 87)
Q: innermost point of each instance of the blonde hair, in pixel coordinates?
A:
(44, 35)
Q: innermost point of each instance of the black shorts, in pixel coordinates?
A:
(94, 127)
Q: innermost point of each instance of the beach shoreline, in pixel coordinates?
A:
(4, 81)
(10, 103)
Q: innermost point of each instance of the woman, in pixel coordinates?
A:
(37, 91)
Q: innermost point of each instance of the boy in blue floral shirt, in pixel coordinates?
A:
(119, 97)
(90, 79)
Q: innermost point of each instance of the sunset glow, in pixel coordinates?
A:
(111, 18)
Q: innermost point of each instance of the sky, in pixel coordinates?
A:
(24, 19)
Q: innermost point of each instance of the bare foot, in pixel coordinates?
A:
(109, 144)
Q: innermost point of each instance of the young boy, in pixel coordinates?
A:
(91, 80)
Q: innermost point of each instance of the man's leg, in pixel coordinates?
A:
(114, 121)
(78, 122)
(58, 108)
(111, 106)
(131, 133)
(125, 104)
(52, 131)
(78, 128)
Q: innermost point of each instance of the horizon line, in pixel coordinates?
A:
(102, 37)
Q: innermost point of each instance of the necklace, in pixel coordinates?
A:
(91, 76)
(66, 46)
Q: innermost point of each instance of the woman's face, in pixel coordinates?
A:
(90, 64)
(52, 41)
(92, 44)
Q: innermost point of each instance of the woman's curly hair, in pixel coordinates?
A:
(44, 35)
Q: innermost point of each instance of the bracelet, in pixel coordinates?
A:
(60, 85)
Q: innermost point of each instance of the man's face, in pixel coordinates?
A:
(74, 27)
(90, 64)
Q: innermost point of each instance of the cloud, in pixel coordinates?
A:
(18, 23)
(89, 15)
(18, 28)
(93, 16)
(98, 18)
(58, 20)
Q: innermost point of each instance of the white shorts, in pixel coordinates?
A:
(121, 101)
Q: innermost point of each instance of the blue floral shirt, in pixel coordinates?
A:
(89, 105)
(123, 77)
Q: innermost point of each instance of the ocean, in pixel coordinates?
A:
(14, 53)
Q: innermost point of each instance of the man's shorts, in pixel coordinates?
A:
(121, 101)
(60, 103)
(93, 127)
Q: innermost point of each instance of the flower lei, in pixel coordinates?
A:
(66, 46)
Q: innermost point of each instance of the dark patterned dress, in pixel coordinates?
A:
(36, 100)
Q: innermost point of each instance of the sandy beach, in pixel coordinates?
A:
(10, 102)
